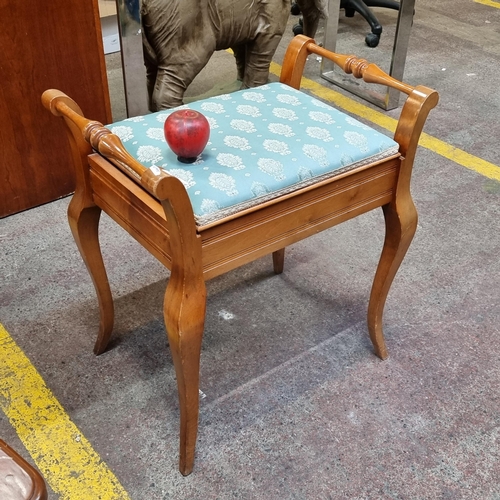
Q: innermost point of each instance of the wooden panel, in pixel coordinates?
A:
(56, 44)
(131, 207)
(257, 234)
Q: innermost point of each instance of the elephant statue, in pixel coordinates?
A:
(180, 36)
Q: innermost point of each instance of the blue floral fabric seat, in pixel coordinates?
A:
(264, 142)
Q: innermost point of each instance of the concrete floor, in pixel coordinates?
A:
(297, 406)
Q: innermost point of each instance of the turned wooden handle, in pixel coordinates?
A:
(301, 46)
(102, 139)
(360, 68)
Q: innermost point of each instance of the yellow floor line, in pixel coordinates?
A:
(63, 455)
(490, 3)
(442, 148)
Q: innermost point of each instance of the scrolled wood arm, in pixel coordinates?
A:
(101, 139)
(415, 110)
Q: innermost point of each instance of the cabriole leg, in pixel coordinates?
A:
(184, 310)
(84, 223)
(400, 227)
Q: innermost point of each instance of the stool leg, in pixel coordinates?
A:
(401, 224)
(279, 261)
(184, 311)
(84, 223)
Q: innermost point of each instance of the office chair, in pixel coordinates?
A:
(363, 8)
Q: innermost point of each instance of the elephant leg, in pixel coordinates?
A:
(312, 11)
(260, 50)
(173, 78)
(151, 65)
(84, 223)
(310, 23)
(259, 54)
(168, 90)
(239, 52)
(151, 75)
(400, 223)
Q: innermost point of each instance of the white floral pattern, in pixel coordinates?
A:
(285, 114)
(213, 107)
(237, 142)
(319, 116)
(316, 153)
(231, 161)
(281, 129)
(224, 183)
(156, 133)
(319, 133)
(274, 146)
(185, 176)
(304, 173)
(357, 139)
(161, 117)
(288, 99)
(149, 154)
(124, 133)
(320, 104)
(272, 167)
(259, 189)
(243, 126)
(209, 206)
(212, 122)
(345, 159)
(245, 109)
(253, 96)
(135, 119)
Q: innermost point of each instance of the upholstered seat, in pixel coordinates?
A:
(18, 479)
(264, 142)
(280, 166)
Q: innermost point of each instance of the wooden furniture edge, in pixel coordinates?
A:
(38, 490)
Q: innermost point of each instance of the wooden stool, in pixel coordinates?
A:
(280, 166)
(18, 479)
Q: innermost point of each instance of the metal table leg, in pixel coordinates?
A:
(134, 72)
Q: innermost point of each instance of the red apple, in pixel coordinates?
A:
(186, 132)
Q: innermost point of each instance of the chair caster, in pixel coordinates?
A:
(295, 9)
(372, 39)
(298, 30)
